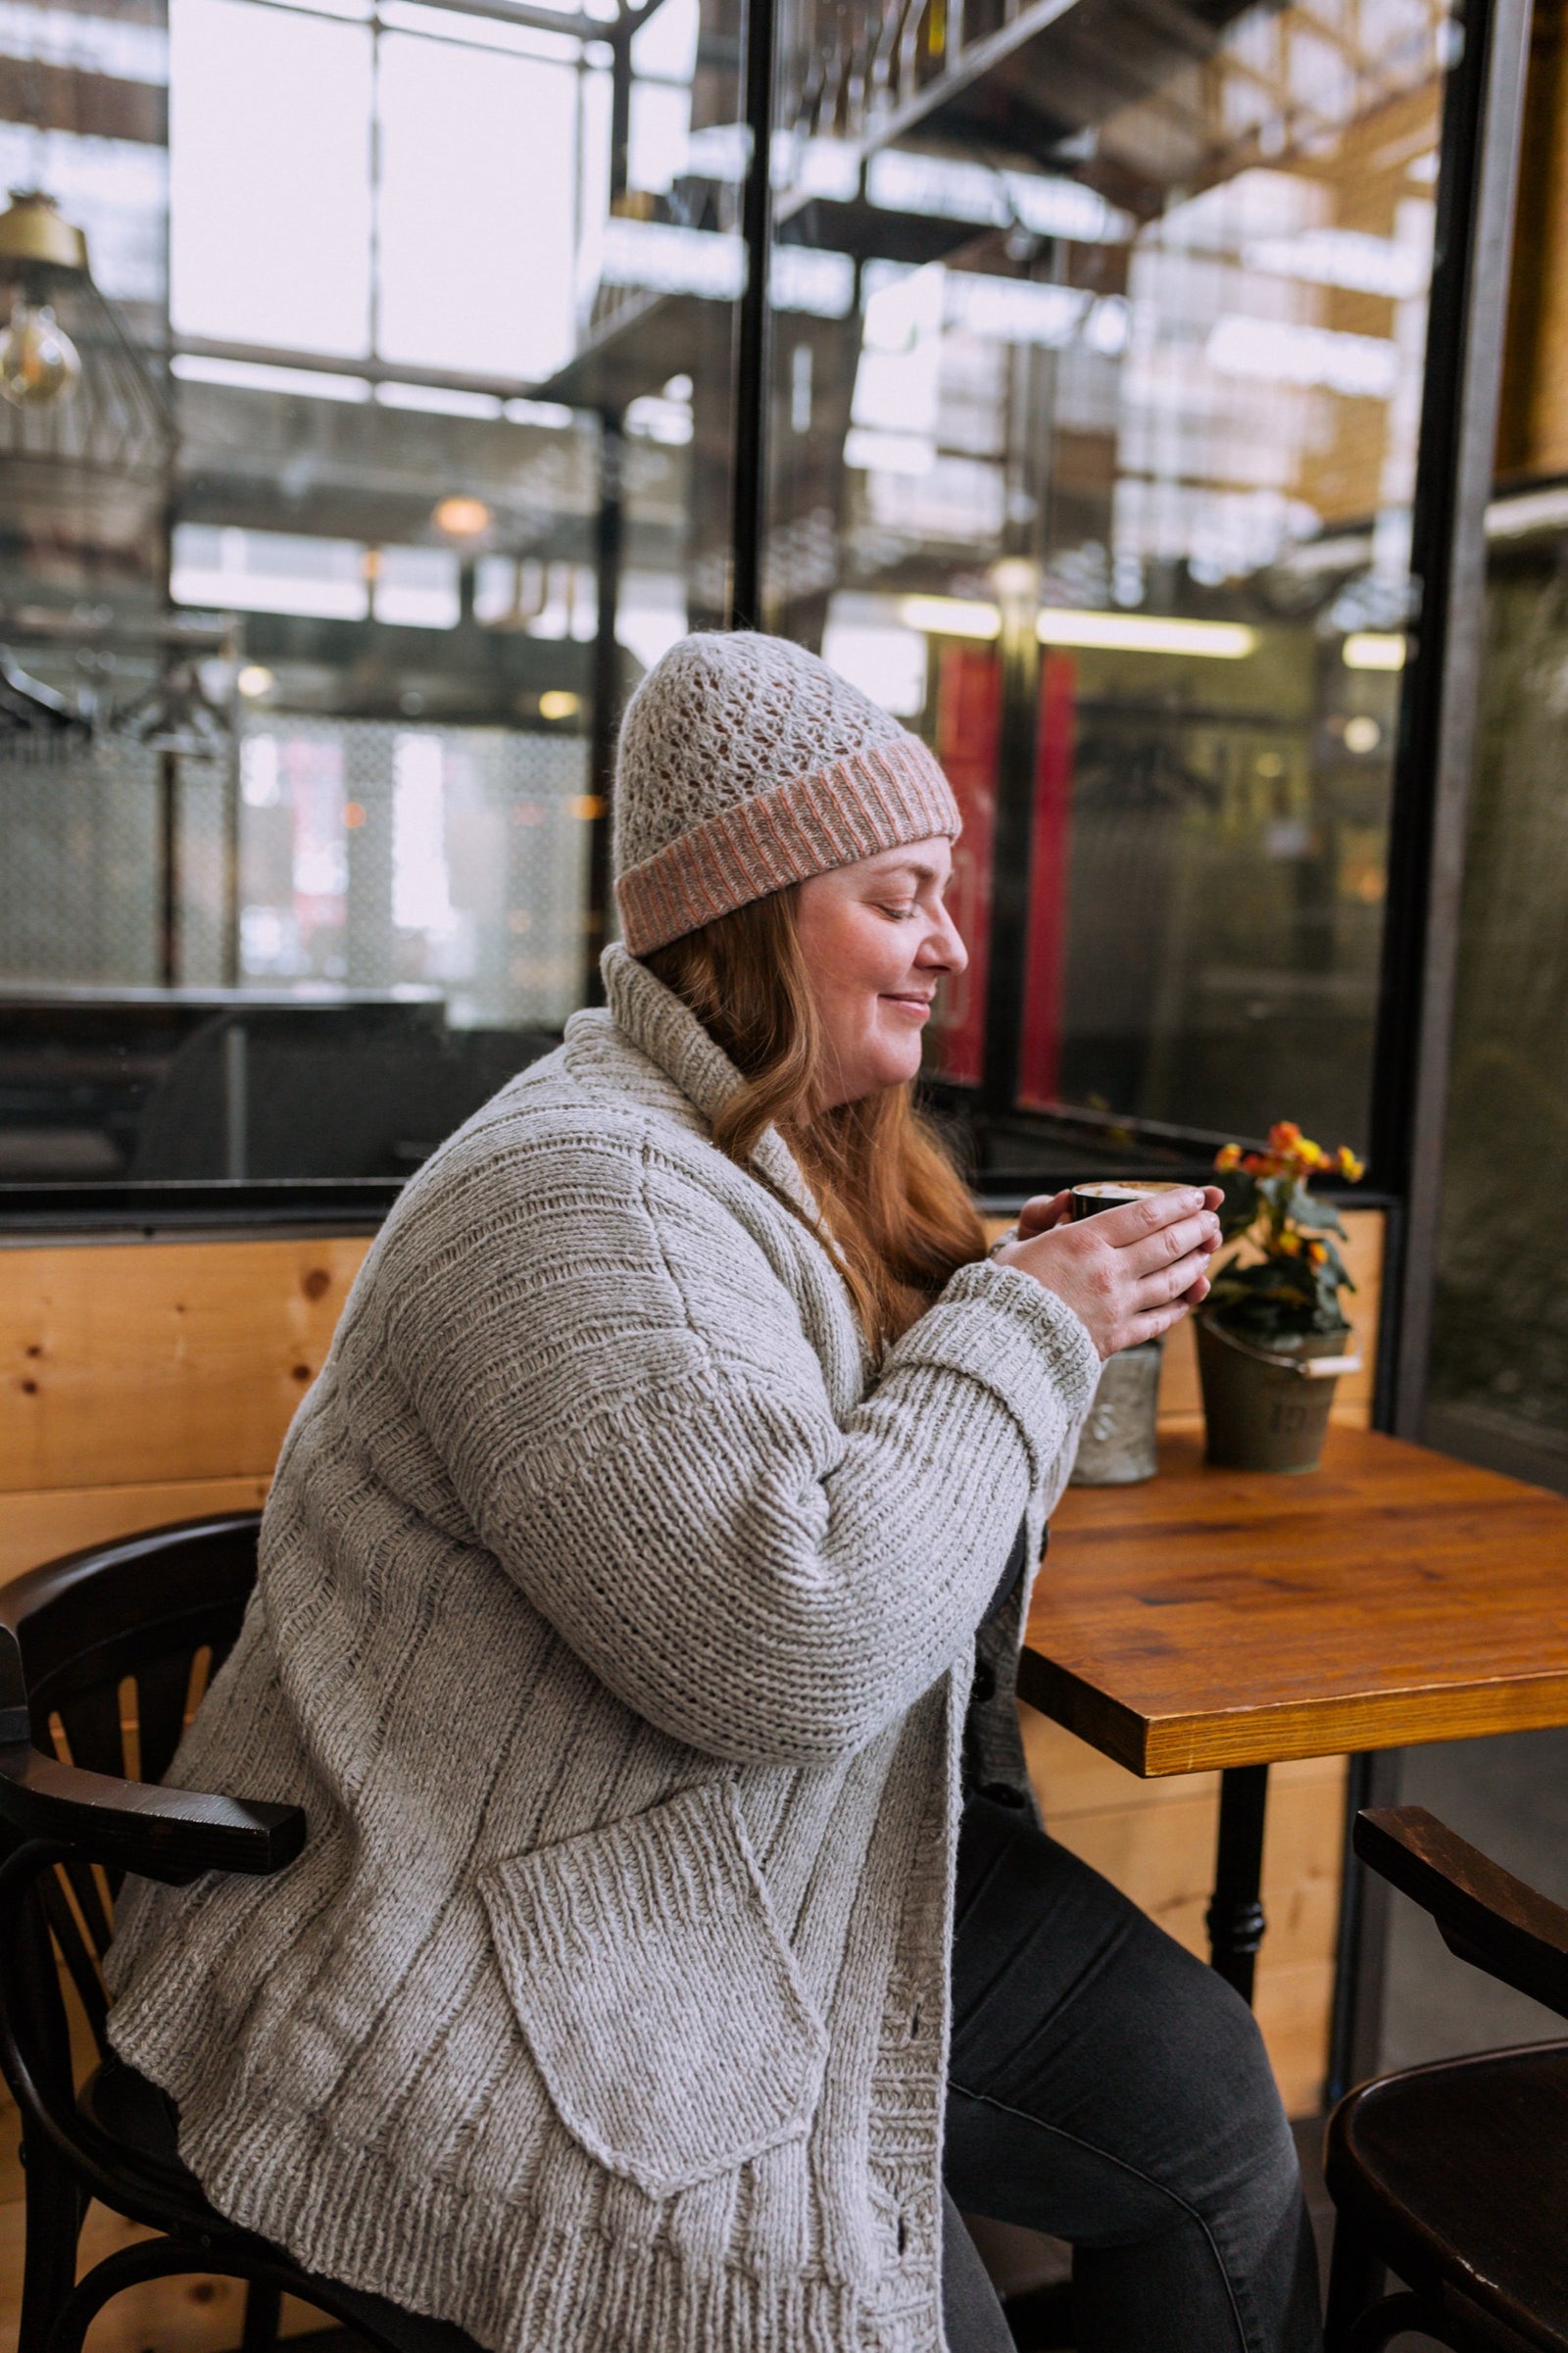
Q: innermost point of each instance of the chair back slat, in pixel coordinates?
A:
(162, 1688)
(92, 1902)
(93, 1727)
(116, 1645)
(81, 1938)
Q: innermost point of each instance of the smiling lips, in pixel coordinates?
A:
(910, 1003)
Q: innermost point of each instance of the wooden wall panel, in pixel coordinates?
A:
(160, 1361)
(1156, 1842)
(46, 1523)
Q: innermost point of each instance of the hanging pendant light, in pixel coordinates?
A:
(38, 362)
(87, 419)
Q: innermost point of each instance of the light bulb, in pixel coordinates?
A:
(38, 362)
(461, 518)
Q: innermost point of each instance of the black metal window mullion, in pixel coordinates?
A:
(753, 341)
(1483, 115)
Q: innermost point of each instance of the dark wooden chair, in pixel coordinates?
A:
(1454, 2175)
(103, 1658)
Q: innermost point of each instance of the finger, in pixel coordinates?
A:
(1043, 1212)
(1172, 1242)
(1121, 1228)
(1171, 1281)
(1155, 1323)
(1214, 1196)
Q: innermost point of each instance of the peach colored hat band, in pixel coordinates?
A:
(877, 799)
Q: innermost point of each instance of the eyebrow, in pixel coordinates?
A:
(909, 865)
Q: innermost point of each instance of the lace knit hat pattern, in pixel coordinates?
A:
(747, 764)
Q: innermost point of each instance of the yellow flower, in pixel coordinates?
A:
(1310, 1155)
(1229, 1155)
(1348, 1165)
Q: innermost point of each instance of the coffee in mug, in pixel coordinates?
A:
(1115, 1193)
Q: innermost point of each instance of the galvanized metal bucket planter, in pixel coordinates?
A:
(1117, 1447)
(1267, 1408)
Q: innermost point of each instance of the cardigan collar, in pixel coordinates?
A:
(661, 1026)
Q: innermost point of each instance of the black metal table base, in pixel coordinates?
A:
(1236, 1920)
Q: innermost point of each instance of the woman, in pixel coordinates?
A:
(616, 1630)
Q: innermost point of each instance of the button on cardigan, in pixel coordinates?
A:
(613, 1628)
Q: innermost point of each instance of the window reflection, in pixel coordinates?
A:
(1138, 347)
(1098, 341)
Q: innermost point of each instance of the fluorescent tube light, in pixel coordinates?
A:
(950, 616)
(1374, 650)
(1278, 351)
(1061, 626)
(1345, 257)
(1145, 633)
(1511, 517)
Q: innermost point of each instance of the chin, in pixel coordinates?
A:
(897, 1068)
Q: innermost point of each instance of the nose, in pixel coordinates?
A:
(943, 948)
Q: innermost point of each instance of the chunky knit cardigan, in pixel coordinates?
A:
(615, 1630)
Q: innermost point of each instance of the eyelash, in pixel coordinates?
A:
(901, 914)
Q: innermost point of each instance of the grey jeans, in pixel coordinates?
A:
(1107, 2088)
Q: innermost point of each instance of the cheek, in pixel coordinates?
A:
(851, 957)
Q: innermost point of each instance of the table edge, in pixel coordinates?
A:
(1156, 1746)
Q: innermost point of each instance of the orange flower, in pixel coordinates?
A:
(1317, 1254)
(1229, 1155)
(1283, 1136)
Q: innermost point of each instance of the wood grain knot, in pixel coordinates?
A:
(301, 1372)
(317, 1283)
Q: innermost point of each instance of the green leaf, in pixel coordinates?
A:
(1314, 1214)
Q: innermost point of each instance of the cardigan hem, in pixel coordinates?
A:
(511, 2280)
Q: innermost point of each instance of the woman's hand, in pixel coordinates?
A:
(1127, 1274)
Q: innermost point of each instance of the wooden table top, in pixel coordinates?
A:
(1209, 1618)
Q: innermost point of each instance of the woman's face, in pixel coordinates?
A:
(876, 938)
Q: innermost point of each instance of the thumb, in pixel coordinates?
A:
(1045, 1210)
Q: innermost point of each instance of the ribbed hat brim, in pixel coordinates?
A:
(877, 799)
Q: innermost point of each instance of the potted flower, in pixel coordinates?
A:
(1272, 1337)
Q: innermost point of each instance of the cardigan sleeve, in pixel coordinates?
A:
(617, 1381)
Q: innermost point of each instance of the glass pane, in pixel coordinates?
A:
(660, 267)
(1100, 478)
(295, 874)
(1499, 1365)
(270, 201)
(475, 227)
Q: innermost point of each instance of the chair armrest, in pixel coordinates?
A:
(1484, 1914)
(161, 1834)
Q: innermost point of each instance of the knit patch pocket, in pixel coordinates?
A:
(662, 2006)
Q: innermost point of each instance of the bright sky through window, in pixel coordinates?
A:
(273, 209)
(269, 143)
(477, 162)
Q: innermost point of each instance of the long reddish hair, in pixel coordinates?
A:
(891, 1207)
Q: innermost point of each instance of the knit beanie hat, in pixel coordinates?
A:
(747, 764)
